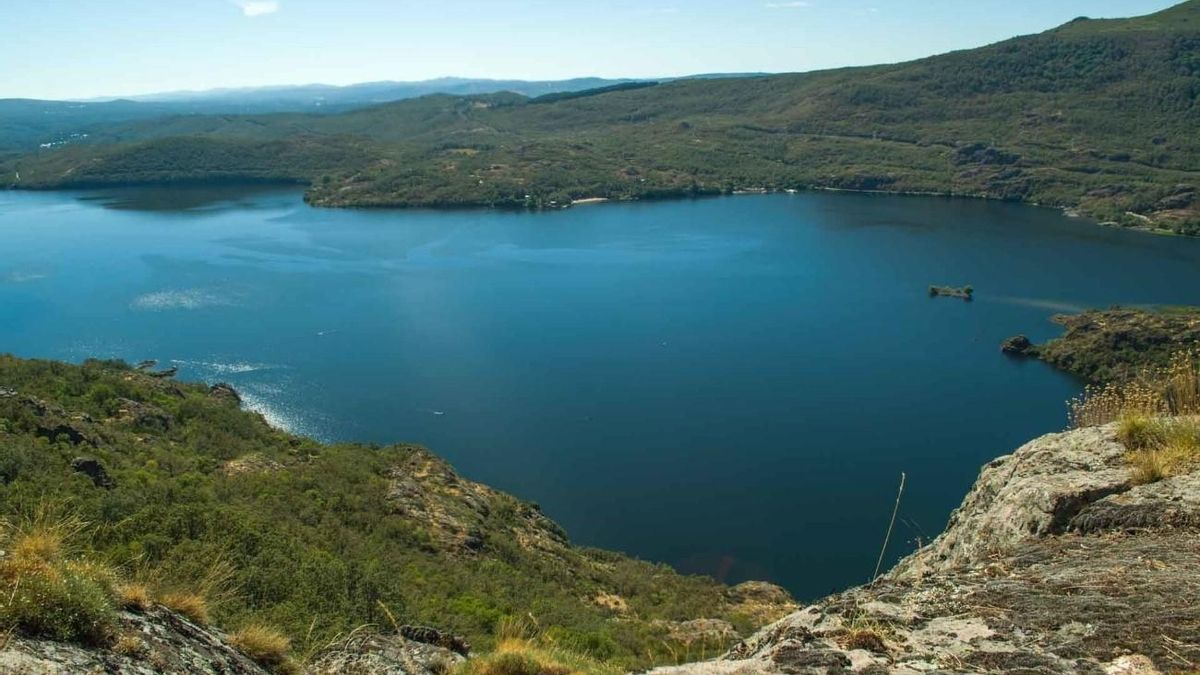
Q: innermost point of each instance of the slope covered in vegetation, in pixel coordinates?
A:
(1097, 114)
(1117, 345)
(226, 519)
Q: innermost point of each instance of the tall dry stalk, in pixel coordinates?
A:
(892, 525)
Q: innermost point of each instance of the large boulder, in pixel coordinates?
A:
(1054, 563)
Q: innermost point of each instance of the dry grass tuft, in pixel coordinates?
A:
(1157, 416)
(132, 646)
(1167, 391)
(1175, 450)
(196, 598)
(194, 606)
(263, 644)
(868, 633)
(513, 659)
(43, 537)
(521, 649)
(134, 597)
(865, 638)
(46, 590)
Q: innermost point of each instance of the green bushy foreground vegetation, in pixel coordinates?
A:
(1096, 115)
(206, 509)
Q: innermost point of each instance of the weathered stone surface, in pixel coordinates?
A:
(1054, 563)
(51, 421)
(253, 463)
(169, 644)
(1032, 493)
(377, 654)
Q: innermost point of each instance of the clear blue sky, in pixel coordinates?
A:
(87, 48)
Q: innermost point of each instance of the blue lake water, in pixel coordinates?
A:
(732, 385)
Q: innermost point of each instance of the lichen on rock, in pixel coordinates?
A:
(1054, 563)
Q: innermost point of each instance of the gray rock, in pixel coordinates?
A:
(1053, 564)
(377, 654)
(167, 643)
(1034, 492)
(226, 393)
(1017, 344)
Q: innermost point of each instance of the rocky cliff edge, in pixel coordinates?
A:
(1054, 563)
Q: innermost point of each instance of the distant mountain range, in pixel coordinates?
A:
(1097, 115)
(30, 123)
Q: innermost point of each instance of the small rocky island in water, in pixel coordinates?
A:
(965, 292)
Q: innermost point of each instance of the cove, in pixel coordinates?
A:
(731, 386)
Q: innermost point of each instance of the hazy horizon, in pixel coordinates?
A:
(76, 50)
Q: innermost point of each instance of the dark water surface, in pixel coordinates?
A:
(729, 385)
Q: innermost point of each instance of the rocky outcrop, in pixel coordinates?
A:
(760, 601)
(94, 469)
(158, 641)
(459, 512)
(378, 654)
(1017, 344)
(1054, 563)
(143, 415)
(226, 393)
(47, 420)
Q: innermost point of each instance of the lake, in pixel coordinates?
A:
(730, 385)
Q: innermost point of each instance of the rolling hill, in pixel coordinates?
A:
(26, 124)
(1098, 115)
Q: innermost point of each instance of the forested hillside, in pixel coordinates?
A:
(185, 494)
(1097, 114)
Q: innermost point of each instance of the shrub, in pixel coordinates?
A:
(1138, 432)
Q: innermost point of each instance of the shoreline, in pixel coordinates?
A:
(1069, 210)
